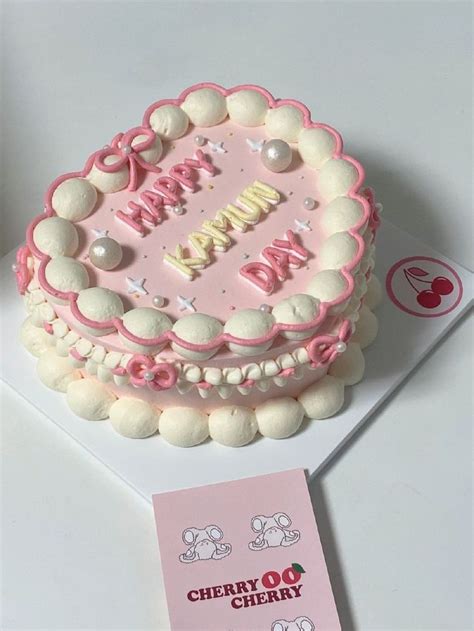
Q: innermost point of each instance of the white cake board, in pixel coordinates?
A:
(152, 466)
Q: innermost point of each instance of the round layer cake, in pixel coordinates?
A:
(208, 273)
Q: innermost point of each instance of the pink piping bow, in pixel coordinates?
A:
(127, 154)
(322, 349)
(143, 371)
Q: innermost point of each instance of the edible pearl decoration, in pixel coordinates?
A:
(127, 149)
(199, 140)
(309, 203)
(178, 209)
(266, 308)
(148, 375)
(105, 253)
(158, 301)
(341, 347)
(276, 155)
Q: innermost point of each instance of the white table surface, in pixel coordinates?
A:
(78, 547)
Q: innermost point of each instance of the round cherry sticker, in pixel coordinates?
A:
(424, 286)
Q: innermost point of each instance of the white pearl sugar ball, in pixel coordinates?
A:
(183, 427)
(99, 304)
(233, 426)
(196, 328)
(297, 309)
(316, 145)
(105, 253)
(205, 107)
(284, 122)
(276, 155)
(169, 121)
(66, 274)
(337, 251)
(249, 324)
(56, 236)
(147, 323)
(74, 199)
(247, 108)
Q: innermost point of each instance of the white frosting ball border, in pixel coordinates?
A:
(345, 177)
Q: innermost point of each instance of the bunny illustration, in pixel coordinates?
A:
(204, 544)
(302, 623)
(273, 532)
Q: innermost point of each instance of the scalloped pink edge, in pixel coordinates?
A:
(169, 336)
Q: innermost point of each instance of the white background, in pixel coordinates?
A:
(78, 548)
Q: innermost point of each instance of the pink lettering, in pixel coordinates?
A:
(260, 275)
(183, 174)
(201, 161)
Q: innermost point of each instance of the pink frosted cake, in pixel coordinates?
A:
(208, 273)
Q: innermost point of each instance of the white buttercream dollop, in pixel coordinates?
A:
(297, 309)
(366, 327)
(349, 366)
(328, 286)
(66, 274)
(233, 426)
(373, 297)
(184, 426)
(146, 323)
(280, 417)
(169, 121)
(337, 177)
(337, 251)
(196, 328)
(323, 398)
(153, 154)
(89, 399)
(247, 108)
(56, 236)
(35, 339)
(99, 304)
(134, 418)
(205, 107)
(74, 199)
(56, 372)
(109, 182)
(249, 324)
(284, 122)
(341, 214)
(316, 145)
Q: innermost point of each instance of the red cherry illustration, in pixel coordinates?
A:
(442, 286)
(428, 299)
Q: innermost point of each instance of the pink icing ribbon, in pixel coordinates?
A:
(23, 273)
(322, 349)
(127, 154)
(144, 372)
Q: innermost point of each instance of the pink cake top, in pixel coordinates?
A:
(168, 204)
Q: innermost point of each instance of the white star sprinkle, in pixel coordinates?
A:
(100, 233)
(302, 226)
(255, 145)
(186, 303)
(217, 147)
(135, 286)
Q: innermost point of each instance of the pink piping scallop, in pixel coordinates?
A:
(132, 157)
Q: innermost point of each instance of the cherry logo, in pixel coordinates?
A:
(424, 286)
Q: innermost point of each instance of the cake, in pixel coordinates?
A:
(207, 273)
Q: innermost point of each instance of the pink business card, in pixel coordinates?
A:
(244, 555)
